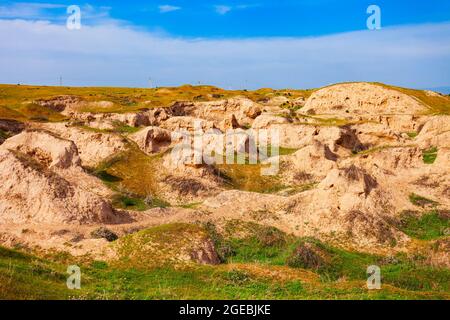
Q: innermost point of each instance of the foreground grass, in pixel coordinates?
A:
(26, 277)
(272, 247)
(257, 265)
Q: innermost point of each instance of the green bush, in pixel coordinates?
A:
(429, 155)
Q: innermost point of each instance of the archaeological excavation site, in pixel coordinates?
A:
(88, 178)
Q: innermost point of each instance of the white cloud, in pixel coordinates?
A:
(222, 9)
(168, 8)
(114, 54)
(25, 10)
(53, 12)
(247, 6)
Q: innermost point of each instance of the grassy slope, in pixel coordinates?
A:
(133, 175)
(436, 104)
(254, 268)
(439, 104)
(13, 98)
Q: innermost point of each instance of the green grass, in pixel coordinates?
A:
(119, 128)
(129, 203)
(124, 128)
(23, 276)
(282, 151)
(269, 246)
(290, 106)
(421, 201)
(14, 97)
(133, 202)
(378, 149)
(255, 248)
(248, 177)
(3, 135)
(193, 205)
(412, 135)
(254, 268)
(133, 176)
(431, 225)
(429, 155)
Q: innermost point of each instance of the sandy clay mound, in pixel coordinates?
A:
(92, 146)
(347, 181)
(42, 181)
(361, 99)
(348, 206)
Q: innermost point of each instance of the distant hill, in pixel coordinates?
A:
(444, 90)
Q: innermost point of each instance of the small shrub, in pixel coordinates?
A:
(303, 176)
(185, 186)
(129, 202)
(306, 255)
(104, 233)
(223, 248)
(237, 277)
(270, 237)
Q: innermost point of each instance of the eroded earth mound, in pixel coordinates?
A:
(354, 158)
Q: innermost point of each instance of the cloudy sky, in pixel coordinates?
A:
(229, 43)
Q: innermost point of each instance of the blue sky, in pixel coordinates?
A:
(245, 18)
(230, 43)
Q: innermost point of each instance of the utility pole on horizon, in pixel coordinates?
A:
(60, 81)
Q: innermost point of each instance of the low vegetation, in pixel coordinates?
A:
(261, 263)
(412, 134)
(421, 201)
(16, 100)
(132, 175)
(233, 259)
(436, 103)
(429, 155)
(430, 225)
